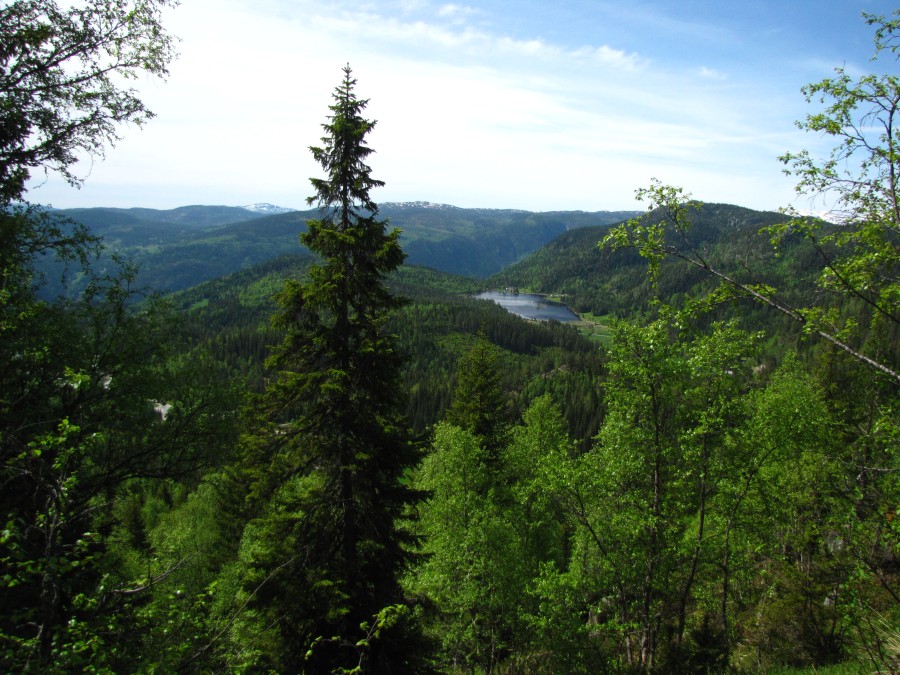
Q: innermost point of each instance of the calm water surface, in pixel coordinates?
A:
(531, 306)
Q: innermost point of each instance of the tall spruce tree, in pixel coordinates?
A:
(327, 546)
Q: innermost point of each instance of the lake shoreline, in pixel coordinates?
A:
(589, 327)
(533, 306)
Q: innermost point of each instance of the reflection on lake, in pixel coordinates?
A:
(531, 306)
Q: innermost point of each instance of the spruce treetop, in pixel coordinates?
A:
(345, 190)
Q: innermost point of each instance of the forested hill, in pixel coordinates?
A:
(603, 282)
(182, 247)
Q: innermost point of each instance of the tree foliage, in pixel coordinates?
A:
(60, 76)
(96, 395)
(487, 527)
(859, 183)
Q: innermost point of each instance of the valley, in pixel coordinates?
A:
(182, 247)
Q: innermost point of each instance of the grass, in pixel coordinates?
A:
(594, 327)
(850, 668)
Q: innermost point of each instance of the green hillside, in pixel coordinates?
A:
(614, 283)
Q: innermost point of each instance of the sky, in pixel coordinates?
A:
(542, 105)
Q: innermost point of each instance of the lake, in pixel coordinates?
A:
(531, 306)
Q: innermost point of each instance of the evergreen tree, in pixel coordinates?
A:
(325, 551)
(479, 403)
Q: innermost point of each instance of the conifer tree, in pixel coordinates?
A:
(479, 403)
(326, 550)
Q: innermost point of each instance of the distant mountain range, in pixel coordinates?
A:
(178, 248)
(553, 252)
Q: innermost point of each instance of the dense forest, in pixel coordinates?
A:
(335, 461)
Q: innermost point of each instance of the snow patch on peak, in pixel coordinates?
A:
(417, 205)
(267, 209)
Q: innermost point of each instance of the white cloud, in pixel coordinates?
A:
(712, 74)
(614, 57)
(456, 12)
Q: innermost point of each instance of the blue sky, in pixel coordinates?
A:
(531, 104)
